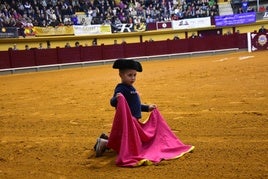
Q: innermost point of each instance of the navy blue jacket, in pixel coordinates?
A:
(132, 98)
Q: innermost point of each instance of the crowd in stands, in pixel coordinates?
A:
(27, 13)
(249, 6)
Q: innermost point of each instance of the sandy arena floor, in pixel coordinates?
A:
(50, 120)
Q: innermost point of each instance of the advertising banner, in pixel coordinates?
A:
(9, 32)
(265, 15)
(123, 28)
(191, 23)
(163, 25)
(92, 29)
(235, 19)
(50, 31)
(259, 41)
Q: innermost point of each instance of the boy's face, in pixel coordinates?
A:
(128, 76)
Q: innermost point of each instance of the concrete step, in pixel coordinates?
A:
(225, 8)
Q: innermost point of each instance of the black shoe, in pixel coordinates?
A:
(102, 136)
(101, 146)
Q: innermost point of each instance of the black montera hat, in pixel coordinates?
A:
(127, 64)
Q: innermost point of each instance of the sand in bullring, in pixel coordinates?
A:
(49, 121)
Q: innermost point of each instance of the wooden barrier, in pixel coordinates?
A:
(113, 51)
(69, 55)
(5, 59)
(91, 54)
(37, 57)
(134, 50)
(46, 56)
(22, 58)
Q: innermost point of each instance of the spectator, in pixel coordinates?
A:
(40, 46)
(228, 32)
(27, 47)
(83, 22)
(239, 11)
(27, 8)
(262, 29)
(250, 9)
(48, 44)
(74, 19)
(176, 37)
(76, 5)
(193, 36)
(200, 35)
(67, 20)
(67, 45)
(151, 40)
(124, 41)
(76, 44)
(94, 42)
(15, 47)
(244, 6)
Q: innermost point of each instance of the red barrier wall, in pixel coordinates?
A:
(69, 55)
(135, 50)
(46, 56)
(91, 53)
(24, 58)
(241, 40)
(4, 60)
(156, 48)
(113, 51)
(178, 46)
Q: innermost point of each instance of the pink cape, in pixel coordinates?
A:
(145, 143)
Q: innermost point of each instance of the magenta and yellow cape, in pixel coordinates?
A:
(138, 143)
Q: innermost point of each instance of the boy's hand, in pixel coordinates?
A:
(118, 94)
(152, 107)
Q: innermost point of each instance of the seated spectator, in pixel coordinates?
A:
(83, 22)
(262, 9)
(74, 19)
(67, 20)
(250, 9)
